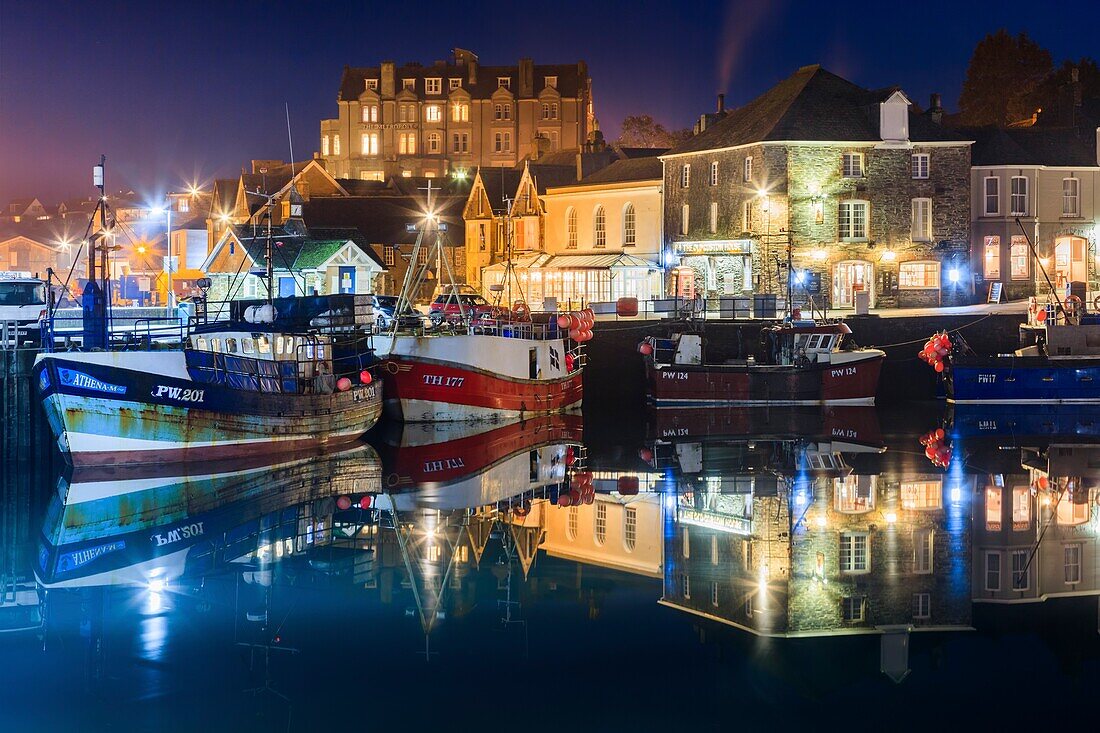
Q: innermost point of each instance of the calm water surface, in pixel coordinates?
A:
(653, 571)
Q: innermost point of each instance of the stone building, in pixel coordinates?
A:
(416, 120)
(1049, 179)
(871, 195)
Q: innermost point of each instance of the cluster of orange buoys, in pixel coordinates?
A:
(935, 448)
(579, 324)
(935, 349)
(580, 491)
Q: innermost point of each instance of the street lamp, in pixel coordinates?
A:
(169, 262)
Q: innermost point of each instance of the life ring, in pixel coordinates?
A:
(520, 310)
(1074, 306)
(496, 312)
(1096, 303)
(392, 367)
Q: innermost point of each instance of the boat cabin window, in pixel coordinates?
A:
(215, 344)
(248, 346)
(231, 346)
(201, 344)
(815, 341)
(264, 344)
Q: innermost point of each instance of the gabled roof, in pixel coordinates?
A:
(382, 219)
(628, 152)
(1056, 146)
(47, 233)
(224, 196)
(810, 105)
(631, 169)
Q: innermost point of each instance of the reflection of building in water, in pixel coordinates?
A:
(615, 531)
(1035, 528)
(824, 549)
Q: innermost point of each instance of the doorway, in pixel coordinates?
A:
(1069, 260)
(347, 279)
(851, 277)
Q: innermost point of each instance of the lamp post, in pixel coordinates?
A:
(169, 264)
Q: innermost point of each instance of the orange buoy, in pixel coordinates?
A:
(365, 377)
(343, 384)
(563, 321)
(939, 366)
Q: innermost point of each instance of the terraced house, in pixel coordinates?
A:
(871, 194)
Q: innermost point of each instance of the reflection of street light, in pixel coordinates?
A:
(168, 262)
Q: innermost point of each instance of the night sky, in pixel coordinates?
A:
(180, 91)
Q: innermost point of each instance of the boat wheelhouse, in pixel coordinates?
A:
(797, 363)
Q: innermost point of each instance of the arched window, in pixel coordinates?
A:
(600, 527)
(599, 225)
(571, 228)
(630, 528)
(435, 142)
(571, 528)
(629, 235)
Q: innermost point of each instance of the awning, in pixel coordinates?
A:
(614, 260)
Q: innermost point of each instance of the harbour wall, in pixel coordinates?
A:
(615, 378)
(24, 433)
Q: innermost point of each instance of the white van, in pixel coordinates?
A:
(22, 302)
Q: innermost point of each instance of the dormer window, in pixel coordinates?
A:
(454, 83)
(504, 82)
(372, 84)
(433, 86)
(894, 119)
(408, 84)
(552, 82)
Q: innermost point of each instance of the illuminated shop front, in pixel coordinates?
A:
(595, 278)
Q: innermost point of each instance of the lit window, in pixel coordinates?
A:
(552, 82)
(335, 144)
(629, 232)
(685, 213)
(370, 113)
(435, 142)
(921, 494)
(1019, 570)
(853, 220)
(1072, 563)
(746, 216)
(993, 509)
(1019, 259)
(1018, 204)
(388, 255)
(406, 143)
(1071, 197)
(922, 551)
(372, 84)
(433, 86)
(854, 553)
(993, 571)
(571, 228)
(433, 113)
(1021, 507)
(713, 217)
(685, 175)
(481, 237)
(324, 145)
(599, 220)
(992, 260)
(1070, 513)
(714, 173)
(571, 526)
(918, 275)
(504, 81)
(601, 523)
(992, 194)
(853, 494)
(370, 143)
(408, 84)
(922, 605)
(423, 256)
(851, 609)
(460, 112)
(454, 83)
(852, 165)
(748, 169)
(920, 165)
(921, 229)
(630, 528)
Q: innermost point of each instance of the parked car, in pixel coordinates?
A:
(385, 307)
(446, 306)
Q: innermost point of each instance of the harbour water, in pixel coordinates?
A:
(618, 571)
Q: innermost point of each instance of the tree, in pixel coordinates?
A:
(1059, 95)
(1003, 80)
(642, 131)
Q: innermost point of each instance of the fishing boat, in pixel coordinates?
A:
(799, 362)
(280, 374)
(501, 363)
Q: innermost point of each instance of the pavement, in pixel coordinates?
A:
(1018, 307)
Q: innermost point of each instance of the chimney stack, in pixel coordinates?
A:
(526, 78)
(721, 104)
(935, 108)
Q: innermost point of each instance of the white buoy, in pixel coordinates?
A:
(261, 313)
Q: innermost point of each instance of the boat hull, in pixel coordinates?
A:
(1013, 380)
(102, 414)
(467, 378)
(851, 382)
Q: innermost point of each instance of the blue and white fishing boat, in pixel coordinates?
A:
(281, 374)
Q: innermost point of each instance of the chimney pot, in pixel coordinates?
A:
(721, 103)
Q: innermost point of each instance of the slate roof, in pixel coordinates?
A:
(630, 169)
(628, 152)
(1060, 146)
(811, 105)
(382, 219)
(47, 232)
(570, 80)
(224, 196)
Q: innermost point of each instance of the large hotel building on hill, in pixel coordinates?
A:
(416, 120)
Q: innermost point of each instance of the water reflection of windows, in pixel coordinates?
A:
(714, 594)
(992, 509)
(1021, 508)
(601, 523)
(714, 549)
(854, 494)
(922, 551)
(993, 571)
(922, 605)
(1072, 563)
(854, 552)
(685, 548)
(851, 608)
(1019, 570)
(571, 528)
(630, 528)
(824, 461)
(463, 554)
(434, 553)
(685, 586)
(923, 494)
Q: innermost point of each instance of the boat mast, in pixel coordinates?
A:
(96, 297)
(1039, 262)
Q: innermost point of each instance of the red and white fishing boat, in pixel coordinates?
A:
(475, 366)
